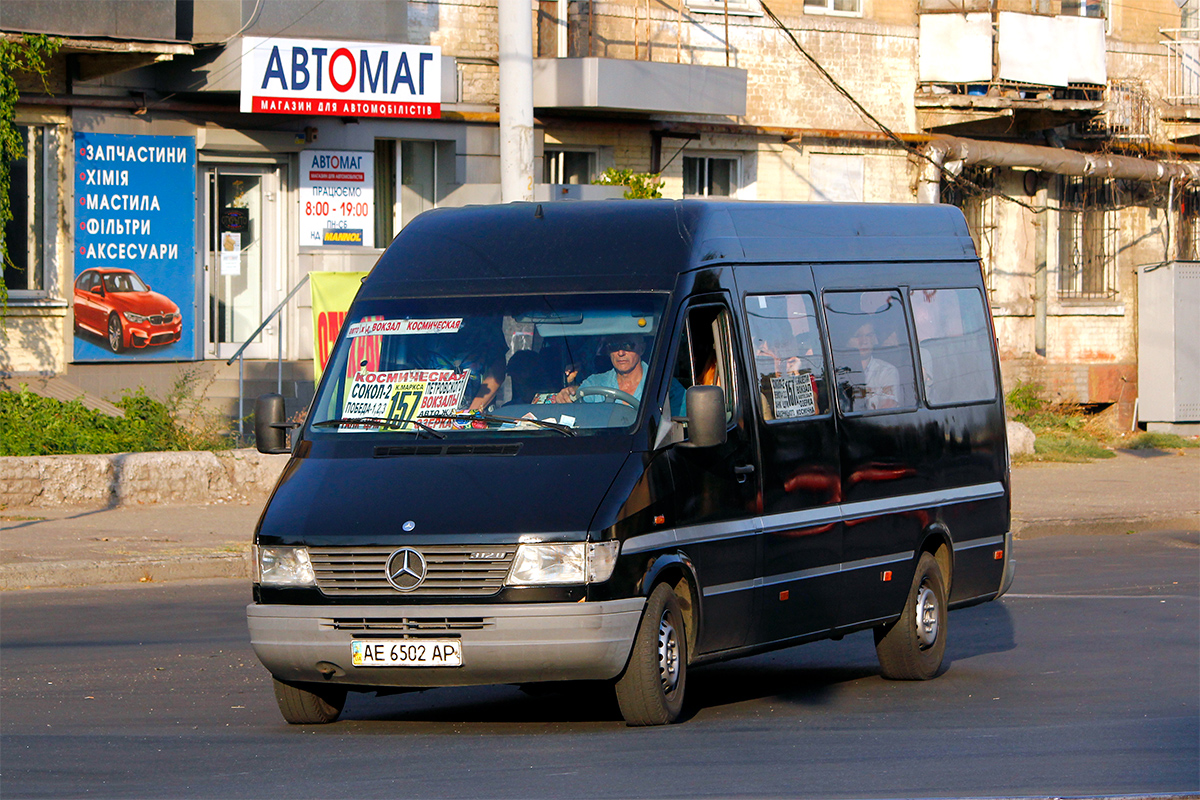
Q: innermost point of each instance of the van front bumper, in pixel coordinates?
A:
(517, 643)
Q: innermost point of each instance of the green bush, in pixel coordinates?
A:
(639, 185)
(1024, 400)
(31, 425)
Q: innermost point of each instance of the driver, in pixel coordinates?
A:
(627, 375)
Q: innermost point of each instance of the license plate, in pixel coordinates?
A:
(406, 653)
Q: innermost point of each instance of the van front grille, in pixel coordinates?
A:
(392, 625)
(451, 570)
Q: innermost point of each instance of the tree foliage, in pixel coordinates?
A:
(28, 54)
(638, 185)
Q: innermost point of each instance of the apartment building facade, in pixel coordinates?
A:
(1063, 128)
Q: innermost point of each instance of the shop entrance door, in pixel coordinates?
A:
(244, 265)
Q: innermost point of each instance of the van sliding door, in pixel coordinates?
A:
(802, 531)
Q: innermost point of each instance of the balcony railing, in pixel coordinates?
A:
(1183, 66)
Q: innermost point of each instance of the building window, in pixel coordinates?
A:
(745, 8)
(567, 166)
(29, 235)
(849, 8)
(710, 177)
(405, 184)
(1187, 236)
(1085, 8)
(1087, 264)
(974, 196)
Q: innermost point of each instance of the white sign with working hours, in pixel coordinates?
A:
(337, 198)
(344, 79)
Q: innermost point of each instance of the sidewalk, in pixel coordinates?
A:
(149, 543)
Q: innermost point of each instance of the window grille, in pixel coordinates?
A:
(979, 207)
(1087, 237)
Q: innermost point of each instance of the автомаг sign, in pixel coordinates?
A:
(344, 79)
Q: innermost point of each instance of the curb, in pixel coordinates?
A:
(137, 478)
(137, 569)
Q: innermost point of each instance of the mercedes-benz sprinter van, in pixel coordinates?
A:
(613, 441)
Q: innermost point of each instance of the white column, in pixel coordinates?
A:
(516, 100)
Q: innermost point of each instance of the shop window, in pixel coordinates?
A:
(850, 8)
(788, 357)
(872, 355)
(955, 345)
(567, 166)
(29, 235)
(710, 177)
(975, 197)
(1087, 239)
(405, 184)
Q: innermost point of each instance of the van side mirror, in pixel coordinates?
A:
(270, 431)
(705, 416)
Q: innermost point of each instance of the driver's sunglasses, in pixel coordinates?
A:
(628, 346)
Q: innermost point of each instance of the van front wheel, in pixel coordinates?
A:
(316, 705)
(911, 649)
(650, 692)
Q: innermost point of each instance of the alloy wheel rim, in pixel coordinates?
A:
(114, 333)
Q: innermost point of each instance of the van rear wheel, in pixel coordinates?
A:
(911, 649)
(650, 691)
(308, 704)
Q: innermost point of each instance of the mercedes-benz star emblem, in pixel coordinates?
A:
(405, 569)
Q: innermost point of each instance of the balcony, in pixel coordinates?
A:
(1182, 101)
(644, 87)
(1009, 74)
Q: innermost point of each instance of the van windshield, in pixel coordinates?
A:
(554, 365)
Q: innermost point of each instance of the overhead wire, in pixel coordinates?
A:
(918, 153)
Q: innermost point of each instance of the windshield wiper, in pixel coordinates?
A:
(565, 430)
(379, 422)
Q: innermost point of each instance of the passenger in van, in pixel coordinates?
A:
(479, 347)
(880, 379)
(529, 376)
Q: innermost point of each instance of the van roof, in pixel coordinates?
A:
(645, 244)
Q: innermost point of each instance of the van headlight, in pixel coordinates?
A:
(283, 566)
(581, 562)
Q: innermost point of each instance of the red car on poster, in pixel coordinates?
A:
(117, 305)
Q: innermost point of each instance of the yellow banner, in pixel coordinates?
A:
(332, 293)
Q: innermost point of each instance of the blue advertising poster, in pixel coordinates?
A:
(135, 264)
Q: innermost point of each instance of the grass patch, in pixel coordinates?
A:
(1160, 441)
(1055, 446)
(1064, 432)
(31, 425)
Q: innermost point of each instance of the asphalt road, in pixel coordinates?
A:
(1083, 681)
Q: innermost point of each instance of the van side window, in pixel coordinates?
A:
(788, 357)
(872, 354)
(705, 354)
(955, 348)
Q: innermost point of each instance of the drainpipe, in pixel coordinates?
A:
(1041, 284)
(516, 100)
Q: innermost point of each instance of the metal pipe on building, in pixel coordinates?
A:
(1059, 161)
(516, 100)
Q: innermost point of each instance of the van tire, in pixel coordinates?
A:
(316, 705)
(911, 648)
(650, 691)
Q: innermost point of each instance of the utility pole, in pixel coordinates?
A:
(516, 100)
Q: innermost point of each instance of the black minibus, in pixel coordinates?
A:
(613, 441)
